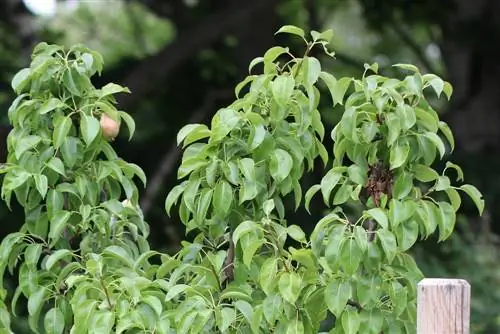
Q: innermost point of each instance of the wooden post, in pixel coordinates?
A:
(443, 306)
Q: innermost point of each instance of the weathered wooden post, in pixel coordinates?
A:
(443, 306)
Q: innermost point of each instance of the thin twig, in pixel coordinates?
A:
(168, 161)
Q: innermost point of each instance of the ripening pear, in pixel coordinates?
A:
(110, 127)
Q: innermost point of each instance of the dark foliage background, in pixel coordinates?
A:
(182, 59)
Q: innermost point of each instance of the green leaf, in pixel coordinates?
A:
(173, 195)
(246, 309)
(296, 233)
(35, 304)
(337, 293)
(394, 127)
(454, 197)
(295, 327)
(361, 238)
(203, 204)
(103, 320)
(309, 194)
(447, 221)
(61, 130)
(448, 89)
(280, 165)
(475, 195)
(293, 30)
(371, 321)
(50, 105)
(336, 87)
(26, 144)
(119, 253)
(250, 247)
(54, 321)
(399, 154)
(282, 89)
(312, 67)
(228, 317)
(21, 80)
(245, 227)
(403, 186)
(32, 254)
(434, 138)
(424, 173)
(460, 173)
(57, 224)
(175, 291)
(350, 322)
(289, 286)
(56, 256)
(273, 53)
(343, 194)
(429, 216)
(388, 242)
(223, 198)
(57, 166)
(112, 88)
(407, 235)
(247, 167)
(436, 83)
(408, 67)
(379, 216)
(129, 121)
(357, 174)
(223, 122)
(41, 183)
(89, 127)
(350, 256)
(196, 131)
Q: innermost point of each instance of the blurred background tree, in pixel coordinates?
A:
(182, 59)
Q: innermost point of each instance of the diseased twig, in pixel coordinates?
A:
(168, 161)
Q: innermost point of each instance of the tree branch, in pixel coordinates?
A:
(413, 45)
(154, 69)
(168, 161)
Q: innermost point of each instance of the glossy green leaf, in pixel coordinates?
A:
(282, 89)
(434, 138)
(379, 215)
(309, 194)
(296, 233)
(61, 131)
(41, 183)
(350, 322)
(129, 121)
(399, 154)
(222, 198)
(57, 256)
(424, 173)
(89, 127)
(447, 221)
(54, 321)
(336, 294)
(290, 29)
(280, 165)
(57, 166)
(290, 286)
(475, 195)
(58, 224)
(26, 144)
(388, 242)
